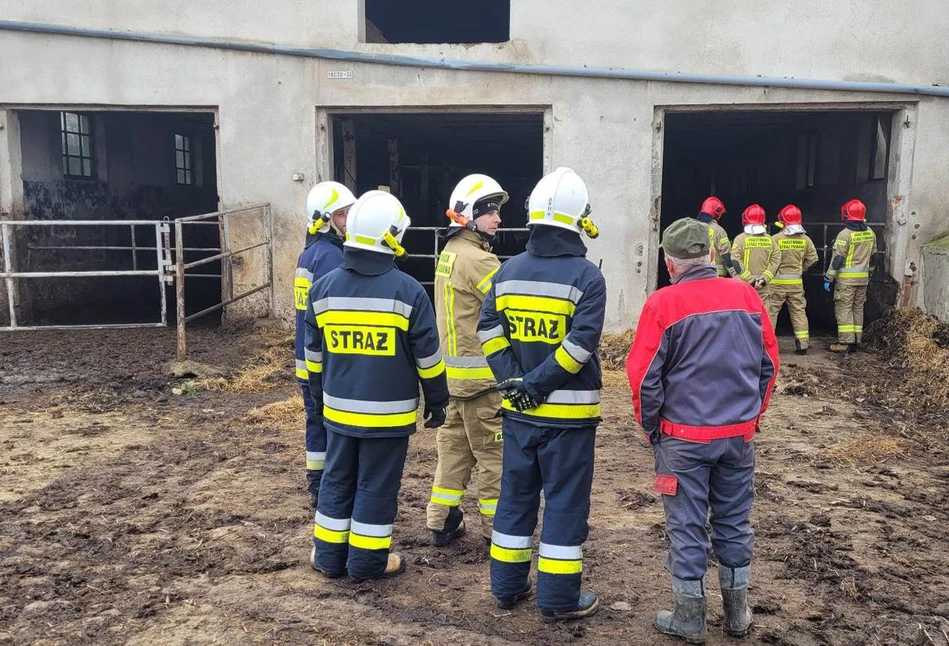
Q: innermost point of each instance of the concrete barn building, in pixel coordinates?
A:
(142, 110)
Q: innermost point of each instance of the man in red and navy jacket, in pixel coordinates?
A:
(702, 370)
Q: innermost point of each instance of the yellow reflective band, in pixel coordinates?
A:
(565, 361)
(469, 373)
(485, 283)
(849, 261)
(544, 304)
(767, 273)
(369, 542)
(556, 566)
(312, 366)
(301, 288)
(510, 556)
(450, 319)
(488, 506)
(302, 373)
(858, 328)
(329, 535)
(315, 465)
(853, 274)
(559, 411)
(434, 371)
(847, 328)
(787, 281)
(364, 240)
(368, 420)
(494, 345)
(449, 492)
(351, 317)
(801, 334)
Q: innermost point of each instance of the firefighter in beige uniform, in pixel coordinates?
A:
(471, 434)
(755, 256)
(797, 254)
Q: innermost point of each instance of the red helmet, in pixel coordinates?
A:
(790, 215)
(754, 214)
(854, 210)
(714, 207)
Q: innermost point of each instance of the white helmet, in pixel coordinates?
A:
(560, 199)
(325, 199)
(476, 195)
(377, 222)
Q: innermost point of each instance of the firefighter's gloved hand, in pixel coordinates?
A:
(435, 416)
(827, 286)
(515, 392)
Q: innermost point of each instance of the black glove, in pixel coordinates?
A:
(516, 394)
(435, 416)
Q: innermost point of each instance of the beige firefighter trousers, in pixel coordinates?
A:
(470, 436)
(793, 295)
(848, 307)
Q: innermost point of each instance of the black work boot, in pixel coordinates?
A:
(586, 607)
(328, 575)
(738, 617)
(687, 618)
(454, 528)
(851, 348)
(798, 349)
(508, 603)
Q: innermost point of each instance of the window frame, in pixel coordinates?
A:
(86, 145)
(184, 171)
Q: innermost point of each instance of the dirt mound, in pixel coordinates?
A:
(614, 348)
(271, 367)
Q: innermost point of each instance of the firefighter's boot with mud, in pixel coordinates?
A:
(687, 618)
(738, 617)
(508, 603)
(454, 528)
(586, 607)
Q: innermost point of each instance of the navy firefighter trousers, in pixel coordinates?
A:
(559, 462)
(315, 443)
(716, 476)
(358, 503)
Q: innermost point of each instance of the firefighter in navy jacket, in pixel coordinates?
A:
(370, 339)
(326, 209)
(540, 326)
(701, 370)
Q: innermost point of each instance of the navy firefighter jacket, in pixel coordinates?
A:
(541, 321)
(371, 338)
(322, 254)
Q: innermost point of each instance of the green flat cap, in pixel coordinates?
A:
(686, 238)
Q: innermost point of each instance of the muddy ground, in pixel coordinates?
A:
(129, 514)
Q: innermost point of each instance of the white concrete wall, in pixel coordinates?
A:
(267, 105)
(935, 272)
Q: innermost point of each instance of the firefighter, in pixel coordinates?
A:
(852, 264)
(755, 256)
(540, 326)
(712, 211)
(371, 338)
(471, 434)
(797, 254)
(326, 207)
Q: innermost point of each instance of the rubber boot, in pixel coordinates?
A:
(687, 618)
(839, 347)
(394, 567)
(587, 606)
(738, 617)
(454, 529)
(508, 603)
(328, 575)
(798, 349)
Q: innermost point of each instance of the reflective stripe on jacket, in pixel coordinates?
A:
(370, 340)
(322, 254)
(853, 253)
(758, 255)
(704, 360)
(463, 276)
(797, 254)
(719, 240)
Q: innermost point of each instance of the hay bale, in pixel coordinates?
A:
(866, 451)
(270, 367)
(285, 414)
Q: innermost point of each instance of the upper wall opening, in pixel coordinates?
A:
(436, 21)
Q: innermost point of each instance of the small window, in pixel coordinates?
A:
(880, 146)
(76, 130)
(437, 21)
(183, 166)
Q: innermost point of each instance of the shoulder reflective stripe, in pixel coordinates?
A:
(336, 524)
(558, 411)
(434, 371)
(361, 304)
(367, 529)
(315, 461)
(509, 541)
(365, 406)
(429, 362)
(301, 370)
(486, 335)
(554, 566)
(565, 361)
(535, 304)
(563, 552)
(369, 542)
(574, 397)
(539, 288)
(485, 283)
(450, 318)
(578, 353)
(492, 346)
(349, 317)
(507, 555)
(369, 420)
